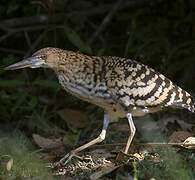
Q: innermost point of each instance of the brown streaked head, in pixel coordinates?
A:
(37, 60)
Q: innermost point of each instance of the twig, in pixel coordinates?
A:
(5, 36)
(23, 21)
(105, 22)
(28, 29)
(34, 45)
(163, 144)
(37, 22)
(29, 24)
(25, 30)
(146, 144)
(13, 31)
(12, 51)
(42, 19)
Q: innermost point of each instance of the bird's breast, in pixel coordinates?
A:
(86, 90)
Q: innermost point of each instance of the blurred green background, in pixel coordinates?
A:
(159, 33)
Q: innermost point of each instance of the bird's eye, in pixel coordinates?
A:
(43, 57)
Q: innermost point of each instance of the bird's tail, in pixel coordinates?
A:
(184, 100)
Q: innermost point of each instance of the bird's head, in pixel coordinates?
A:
(45, 57)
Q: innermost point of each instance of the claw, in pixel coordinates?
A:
(63, 161)
(66, 158)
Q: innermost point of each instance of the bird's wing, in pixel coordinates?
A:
(135, 84)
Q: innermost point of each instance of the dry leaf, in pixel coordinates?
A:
(190, 140)
(47, 143)
(10, 164)
(179, 136)
(136, 156)
(108, 164)
(120, 156)
(75, 119)
(140, 156)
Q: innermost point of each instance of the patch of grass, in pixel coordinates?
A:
(171, 166)
(26, 165)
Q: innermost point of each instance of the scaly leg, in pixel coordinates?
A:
(132, 133)
(99, 139)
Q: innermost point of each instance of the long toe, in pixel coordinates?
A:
(63, 161)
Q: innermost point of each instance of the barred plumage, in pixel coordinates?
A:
(121, 86)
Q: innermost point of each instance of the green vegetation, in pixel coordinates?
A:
(17, 150)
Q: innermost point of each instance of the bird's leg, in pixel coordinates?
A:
(132, 133)
(99, 139)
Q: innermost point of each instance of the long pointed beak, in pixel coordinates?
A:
(31, 62)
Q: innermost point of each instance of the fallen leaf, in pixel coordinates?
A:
(10, 164)
(108, 164)
(140, 156)
(75, 119)
(179, 136)
(121, 155)
(190, 140)
(47, 143)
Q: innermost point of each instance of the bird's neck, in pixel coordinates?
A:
(83, 76)
(80, 69)
(74, 66)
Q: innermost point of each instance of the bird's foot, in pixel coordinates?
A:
(64, 160)
(121, 156)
